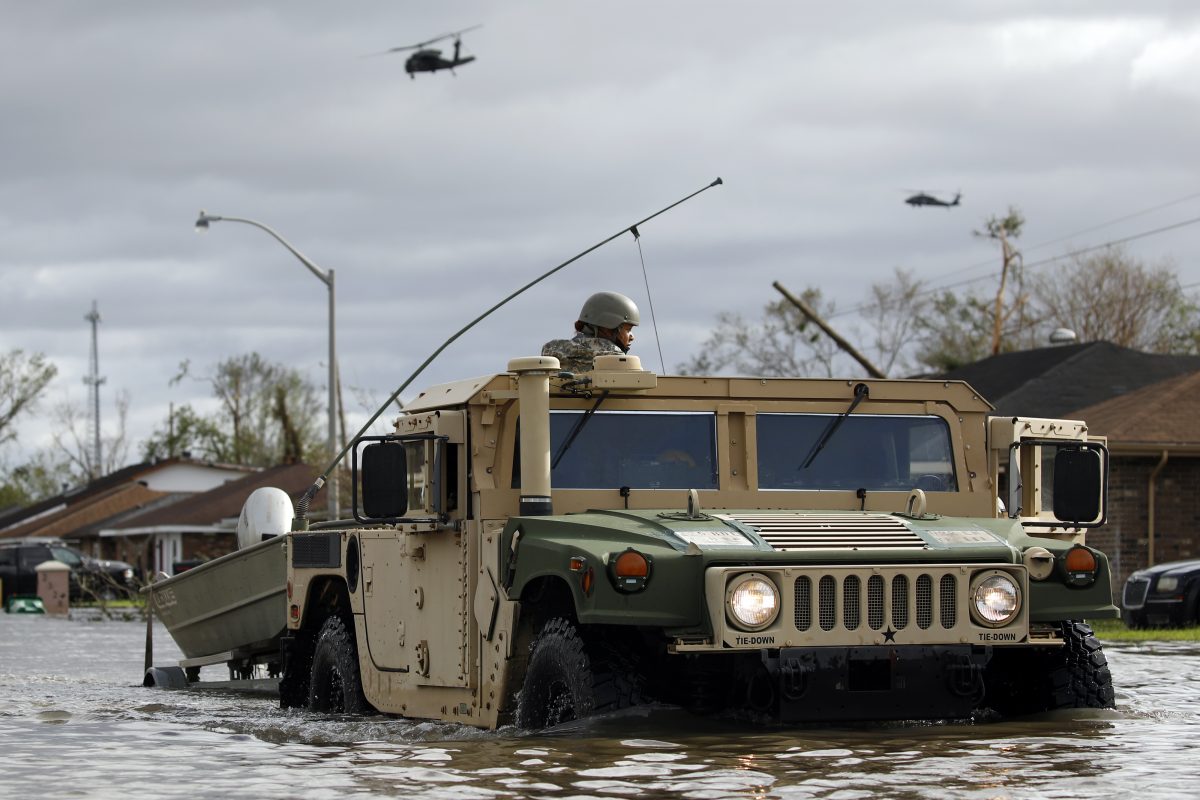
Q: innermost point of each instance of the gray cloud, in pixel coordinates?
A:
(433, 198)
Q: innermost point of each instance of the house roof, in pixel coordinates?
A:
(1162, 415)
(225, 501)
(10, 518)
(98, 506)
(1059, 381)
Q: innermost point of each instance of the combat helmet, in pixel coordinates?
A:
(609, 310)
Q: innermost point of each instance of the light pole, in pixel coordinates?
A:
(326, 277)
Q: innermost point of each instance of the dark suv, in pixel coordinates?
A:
(90, 577)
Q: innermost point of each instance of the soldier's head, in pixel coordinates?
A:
(611, 316)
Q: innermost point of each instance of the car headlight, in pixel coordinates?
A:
(1166, 584)
(995, 599)
(127, 575)
(752, 601)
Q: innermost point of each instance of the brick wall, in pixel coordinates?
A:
(1177, 514)
(208, 546)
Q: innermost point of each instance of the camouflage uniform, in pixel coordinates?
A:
(576, 354)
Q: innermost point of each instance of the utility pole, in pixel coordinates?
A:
(93, 381)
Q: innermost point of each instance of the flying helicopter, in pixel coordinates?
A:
(923, 199)
(429, 59)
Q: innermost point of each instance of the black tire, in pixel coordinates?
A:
(1073, 675)
(334, 683)
(568, 679)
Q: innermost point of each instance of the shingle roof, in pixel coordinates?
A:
(104, 505)
(1161, 414)
(1059, 381)
(15, 516)
(225, 501)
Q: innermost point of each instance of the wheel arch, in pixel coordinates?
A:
(327, 595)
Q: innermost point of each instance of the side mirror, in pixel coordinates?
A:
(384, 480)
(1078, 485)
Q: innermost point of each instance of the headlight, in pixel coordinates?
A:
(1166, 584)
(752, 601)
(127, 575)
(995, 599)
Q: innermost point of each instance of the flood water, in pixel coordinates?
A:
(75, 722)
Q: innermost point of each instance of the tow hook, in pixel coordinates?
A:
(793, 677)
(964, 678)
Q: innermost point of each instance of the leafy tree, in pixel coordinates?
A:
(1110, 296)
(186, 431)
(268, 414)
(955, 332)
(45, 474)
(895, 314)
(783, 342)
(22, 380)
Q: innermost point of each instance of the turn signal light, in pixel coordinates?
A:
(295, 611)
(629, 571)
(1080, 565)
(631, 564)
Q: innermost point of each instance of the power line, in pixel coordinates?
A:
(988, 264)
(1043, 262)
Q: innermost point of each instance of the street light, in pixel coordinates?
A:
(326, 277)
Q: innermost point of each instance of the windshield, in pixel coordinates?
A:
(66, 556)
(641, 450)
(873, 452)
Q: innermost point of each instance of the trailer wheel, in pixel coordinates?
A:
(1073, 675)
(334, 685)
(568, 679)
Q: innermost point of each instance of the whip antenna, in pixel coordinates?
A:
(637, 237)
(301, 520)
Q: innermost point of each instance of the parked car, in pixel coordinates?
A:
(90, 577)
(1163, 595)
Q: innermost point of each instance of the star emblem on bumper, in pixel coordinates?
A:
(889, 635)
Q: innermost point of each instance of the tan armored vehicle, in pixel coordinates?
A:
(536, 546)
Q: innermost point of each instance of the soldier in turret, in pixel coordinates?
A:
(604, 327)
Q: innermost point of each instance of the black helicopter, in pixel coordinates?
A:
(923, 199)
(428, 59)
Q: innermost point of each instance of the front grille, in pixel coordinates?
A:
(830, 531)
(842, 596)
(1135, 592)
(949, 597)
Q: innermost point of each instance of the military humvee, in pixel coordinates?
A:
(536, 546)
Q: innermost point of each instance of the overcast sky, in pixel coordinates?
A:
(434, 198)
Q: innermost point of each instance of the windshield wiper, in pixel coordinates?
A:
(861, 392)
(576, 429)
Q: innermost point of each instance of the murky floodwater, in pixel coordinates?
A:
(74, 722)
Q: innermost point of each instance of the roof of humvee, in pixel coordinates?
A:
(959, 394)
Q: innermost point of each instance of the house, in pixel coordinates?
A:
(1154, 487)
(74, 514)
(1146, 405)
(199, 527)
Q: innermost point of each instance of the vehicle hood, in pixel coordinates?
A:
(105, 564)
(727, 530)
(1169, 568)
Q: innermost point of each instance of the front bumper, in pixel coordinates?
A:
(877, 683)
(1159, 613)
